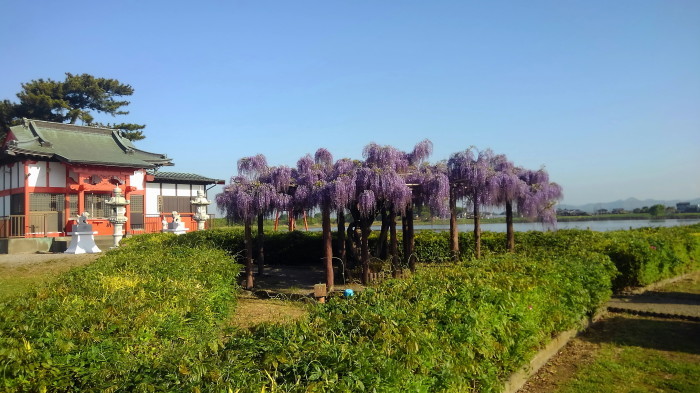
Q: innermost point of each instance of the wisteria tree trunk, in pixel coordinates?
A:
(404, 242)
(292, 221)
(353, 242)
(366, 230)
(393, 244)
(327, 245)
(409, 240)
(261, 245)
(341, 235)
(454, 233)
(248, 238)
(510, 234)
(383, 237)
(477, 230)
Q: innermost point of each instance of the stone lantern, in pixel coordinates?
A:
(118, 217)
(200, 202)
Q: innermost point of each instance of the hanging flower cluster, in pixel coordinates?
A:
(388, 178)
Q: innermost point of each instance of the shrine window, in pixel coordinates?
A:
(45, 202)
(180, 204)
(96, 206)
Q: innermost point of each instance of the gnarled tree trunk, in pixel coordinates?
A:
(510, 234)
(393, 244)
(454, 233)
(341, 239)
(261, 245)
(327, 246)
(477, 229)
(409, 240)
(341, 235)
(366, 226)
(248, 239)
(353, 244)
(381, 251)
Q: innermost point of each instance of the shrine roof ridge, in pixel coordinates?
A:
(77, 144)
(184, 177)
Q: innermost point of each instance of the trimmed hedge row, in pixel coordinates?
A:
(147, 317)
(124, 323)
(457, 328)
(642, 256)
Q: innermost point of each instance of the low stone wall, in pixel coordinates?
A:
(45, 244)
(519, 378)
(22, 246)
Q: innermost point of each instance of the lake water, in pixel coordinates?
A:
(602, 226)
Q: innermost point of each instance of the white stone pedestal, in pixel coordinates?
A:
(177, 228)
(118, 234)
(82, 243)
(200, 224)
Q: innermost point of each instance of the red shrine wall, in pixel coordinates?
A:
(40, 198)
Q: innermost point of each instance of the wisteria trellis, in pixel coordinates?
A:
(387, 183)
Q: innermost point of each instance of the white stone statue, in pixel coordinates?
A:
(176, 226)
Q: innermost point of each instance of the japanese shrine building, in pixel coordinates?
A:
(53, 172)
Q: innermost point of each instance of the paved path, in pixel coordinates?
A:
(20, 260)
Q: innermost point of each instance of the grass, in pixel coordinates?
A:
(688, 284)
(251, 311)
(18, 277)
(642, 354)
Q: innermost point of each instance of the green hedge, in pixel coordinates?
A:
(286, 248)
(126, 322)
(451, 328)
(147, 317)
(645, 256)
(642, 256)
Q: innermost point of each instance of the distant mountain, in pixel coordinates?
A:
(627, 204)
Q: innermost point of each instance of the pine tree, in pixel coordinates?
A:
(75, 98)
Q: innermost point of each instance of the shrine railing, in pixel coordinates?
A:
(41, 224)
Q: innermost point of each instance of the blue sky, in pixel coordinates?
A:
(604, 94)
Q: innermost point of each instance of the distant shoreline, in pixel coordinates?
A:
(501, 219)
(597, 217)
(632, 216)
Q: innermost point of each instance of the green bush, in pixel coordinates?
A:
(132, 320)
(287, 248)
(230, 240)
(432, 246)
(147, 317)
(645, 256)
(453, 328)
(642, 256)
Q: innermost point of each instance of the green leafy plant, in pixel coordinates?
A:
(136, 317)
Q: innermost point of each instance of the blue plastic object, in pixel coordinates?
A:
(348, 293)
